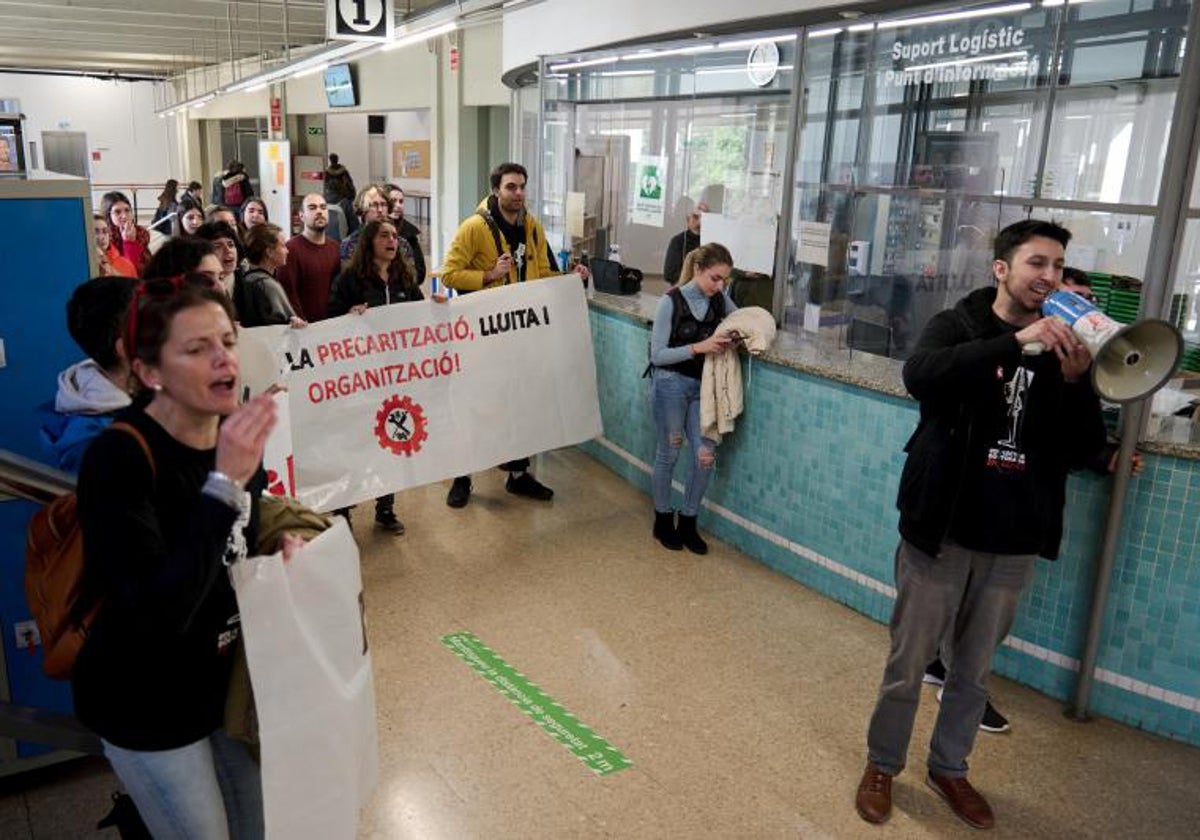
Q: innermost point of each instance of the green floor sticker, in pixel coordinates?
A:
(599, 755)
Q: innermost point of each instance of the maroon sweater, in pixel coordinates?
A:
(307, 277)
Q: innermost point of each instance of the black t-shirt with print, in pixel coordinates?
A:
(1002, 506)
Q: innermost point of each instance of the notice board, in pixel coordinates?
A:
(410, 159)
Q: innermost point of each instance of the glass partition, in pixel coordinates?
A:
(917, 137)
(638, 143)
(921, 136)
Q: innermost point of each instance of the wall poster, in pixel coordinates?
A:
(649, 201)
(410, 159)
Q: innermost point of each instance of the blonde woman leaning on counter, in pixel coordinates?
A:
(683, 332)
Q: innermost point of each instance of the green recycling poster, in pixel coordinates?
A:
(649, 197)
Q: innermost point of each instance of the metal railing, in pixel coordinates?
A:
(38, 483)
(32, 480)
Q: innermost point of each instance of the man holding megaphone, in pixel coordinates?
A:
(981, 498)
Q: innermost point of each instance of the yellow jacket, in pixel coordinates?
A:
(473, 252)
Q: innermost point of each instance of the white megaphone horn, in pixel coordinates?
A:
(1129, 361)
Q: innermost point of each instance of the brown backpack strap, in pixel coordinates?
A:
(132, 431)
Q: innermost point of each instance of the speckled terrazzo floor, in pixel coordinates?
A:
(740, 697)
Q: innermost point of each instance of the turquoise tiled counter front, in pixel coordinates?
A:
(807, 484)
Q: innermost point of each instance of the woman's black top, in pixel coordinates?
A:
(353, 289)
(154, 671)
(687, 329)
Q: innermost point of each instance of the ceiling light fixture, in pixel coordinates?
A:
(661, 53)
(750, 42)
(409, 39)
(309, 71)
(948, 16)
(312, 63)
(589, 62)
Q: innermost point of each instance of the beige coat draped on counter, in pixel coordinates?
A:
(721, 397)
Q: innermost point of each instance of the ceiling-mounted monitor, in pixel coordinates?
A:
(339, 86)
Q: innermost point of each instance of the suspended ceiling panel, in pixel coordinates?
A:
(157, 37)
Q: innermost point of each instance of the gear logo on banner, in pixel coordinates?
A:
(400, 425)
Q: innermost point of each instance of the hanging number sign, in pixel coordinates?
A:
(360, 20)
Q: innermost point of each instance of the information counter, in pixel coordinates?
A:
(807, 484)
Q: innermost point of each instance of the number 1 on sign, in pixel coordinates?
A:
(361, 17)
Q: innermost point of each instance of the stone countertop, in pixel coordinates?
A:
(826, 357)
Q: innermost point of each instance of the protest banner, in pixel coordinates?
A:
(412, 393)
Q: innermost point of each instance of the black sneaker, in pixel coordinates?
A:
(460, 492)
(388, 521)
(935, 673)
(992, 721)
(523, 484)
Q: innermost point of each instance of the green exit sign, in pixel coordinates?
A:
(316, 130)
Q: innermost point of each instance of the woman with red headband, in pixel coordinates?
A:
(167, 500)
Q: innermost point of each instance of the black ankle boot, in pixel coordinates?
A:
(688, 535)
(664, 530)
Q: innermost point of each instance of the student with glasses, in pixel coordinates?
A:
(167, 500)
(684, 332)
(371, 205)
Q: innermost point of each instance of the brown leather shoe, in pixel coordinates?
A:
(874, 799)
(966, 802)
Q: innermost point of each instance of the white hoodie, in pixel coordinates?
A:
(84, 389)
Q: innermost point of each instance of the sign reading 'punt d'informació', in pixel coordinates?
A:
(984, 52)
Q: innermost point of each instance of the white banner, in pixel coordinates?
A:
(412, 393)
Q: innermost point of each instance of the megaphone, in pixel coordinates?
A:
(1129, 361)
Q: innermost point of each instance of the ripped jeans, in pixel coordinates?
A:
(676, 419)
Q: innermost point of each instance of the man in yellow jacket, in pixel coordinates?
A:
(498, 244)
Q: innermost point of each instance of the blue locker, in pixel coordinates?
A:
(46, 227)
